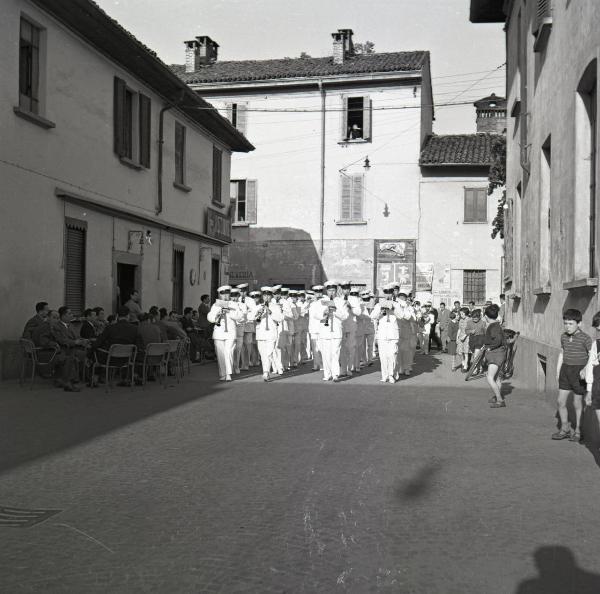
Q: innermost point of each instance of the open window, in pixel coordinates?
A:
(243, 198)
(237, 114)
(356, 119)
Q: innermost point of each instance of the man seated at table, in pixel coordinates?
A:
(122, 332)
(88, 326)
(172, 328)
(189, 327)
(147, 332)
(41, 313)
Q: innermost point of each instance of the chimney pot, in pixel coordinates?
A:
(200, 52)
(343, 47)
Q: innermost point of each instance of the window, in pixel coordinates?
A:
(217, 173)
(75, 240)
(356, 119)
(351, 204)
(243, 195)
(29, 67)
(178, 260)
(179, 154)
(474, 286)
(132, 121)
(544, 223)
(584, 261)
(237, 114)
(475, 205)
(542, 24)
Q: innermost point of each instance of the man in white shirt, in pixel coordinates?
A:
(246, 305)
(314, 325)
(331, 314)
(406, 337)
(348, 353)
(240, 328)
(387, 334)
(365, 332)
(224, 315)
(266, 318)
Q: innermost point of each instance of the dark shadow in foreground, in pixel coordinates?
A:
(559, 574)
(421, 484)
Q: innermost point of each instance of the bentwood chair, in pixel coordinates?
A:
(119, 357)
(156, 356)
(174, 363)
(38, 357)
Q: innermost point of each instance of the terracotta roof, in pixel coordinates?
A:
(250, 70)
(457, 149)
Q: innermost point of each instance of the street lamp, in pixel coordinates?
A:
(367, 164)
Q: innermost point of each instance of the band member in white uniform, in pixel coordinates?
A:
(365, 330)
(266, 317)
(387, 334)
(294, 329)
(246, 304)
(407, 341)
(254, 355)
(224, 317)
(331, 314)
(240, 328)
(347, 356)
(314, 325)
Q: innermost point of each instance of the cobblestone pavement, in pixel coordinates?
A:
(295, 486)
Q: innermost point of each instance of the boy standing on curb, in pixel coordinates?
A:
(572, 361)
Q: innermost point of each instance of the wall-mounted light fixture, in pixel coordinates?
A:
(136, 237)
(367, 164)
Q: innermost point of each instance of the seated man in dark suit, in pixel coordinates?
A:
(41, 313)
(122, 332)
(88, 327)
(147, 332)
(171, 328)
(72, 348)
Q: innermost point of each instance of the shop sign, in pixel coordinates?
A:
(218, 225)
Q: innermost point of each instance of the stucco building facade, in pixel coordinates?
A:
(304, 205)
(551, 226)
(115, 175)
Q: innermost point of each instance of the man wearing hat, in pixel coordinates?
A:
(314, 324)
(240, 327)
(256, 297)
(224, 315)
(365, 331)
(330, 314)
(302, 323)
(266, 317)
(294, 328)
(287, 329)
(246, 304)
(387, 334)
(348, 352)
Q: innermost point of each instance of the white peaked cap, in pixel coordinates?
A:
(224, 289)
(276, 287)
(267, 289)
(318, 288)
(330, 283)
(242, 286)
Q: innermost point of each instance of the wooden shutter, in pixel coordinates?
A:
(346, 199)
(251, 201)
(179, 153)
(229, 111)
(119, 117)
(544, 9)
(145, 128)
(470, 208)
(75, 267)
(481, 205)
(242, 117)
(357, 198)
(217, 173)
(344, 119)
(367, 118)
(178, 261)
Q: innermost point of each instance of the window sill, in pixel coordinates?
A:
(34, 118)
(546, 290)
(129, 163)
(182, 187)
(219, 204)
(543, 34)
(580, 283)
(351, 222)
(475, 222)
(354, 141)
(515, 296)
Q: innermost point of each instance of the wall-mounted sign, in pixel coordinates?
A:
(395, 261)
(218, 225)
(424, 276)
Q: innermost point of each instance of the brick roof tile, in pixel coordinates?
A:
(457, 149)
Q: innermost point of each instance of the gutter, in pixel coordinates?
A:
(322, 205)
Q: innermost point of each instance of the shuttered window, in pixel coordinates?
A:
(178, 257)
(237, 114)
(474, 286)
(544, 10)
(356, 118)
(179, 153)
(351, 203)
(132, 118)
(75, 266)
(475, 205)
(217, 172)
(29, 67)
(243, 196)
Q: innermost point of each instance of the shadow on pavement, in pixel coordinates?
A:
(423, 364)
(44, 421)
(591, 434)
(559, 574)
(421, 484)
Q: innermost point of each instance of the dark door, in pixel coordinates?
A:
(178, 280)
(125, 282)
(215, 277)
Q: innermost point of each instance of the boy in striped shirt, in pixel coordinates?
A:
(572, 360)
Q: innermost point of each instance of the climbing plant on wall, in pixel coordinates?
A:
(497, 179)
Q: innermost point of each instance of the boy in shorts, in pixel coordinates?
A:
(576, 346)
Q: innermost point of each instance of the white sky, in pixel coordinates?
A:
(260, 29)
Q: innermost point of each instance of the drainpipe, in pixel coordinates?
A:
(322, 217)
(161, 141)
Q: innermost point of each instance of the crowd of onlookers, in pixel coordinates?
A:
(74, 342)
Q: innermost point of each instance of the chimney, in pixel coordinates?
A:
(491, 114)
(342, 45)
(201, 51)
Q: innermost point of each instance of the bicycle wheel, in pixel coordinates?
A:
(476, 365)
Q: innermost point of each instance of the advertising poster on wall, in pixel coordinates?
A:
(424, 277)
(395, 261)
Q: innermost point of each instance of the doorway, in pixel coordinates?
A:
(215, 276)
(126, 277)
(178, 255)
